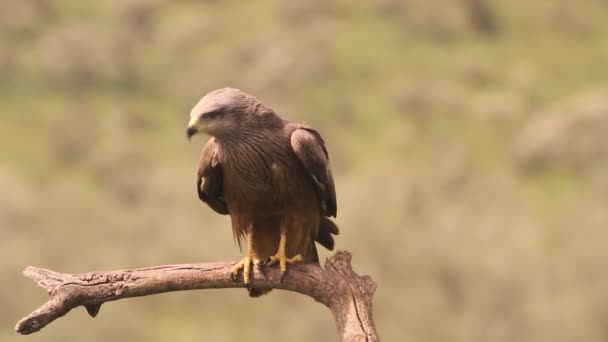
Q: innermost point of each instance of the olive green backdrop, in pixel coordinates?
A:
(468, 139)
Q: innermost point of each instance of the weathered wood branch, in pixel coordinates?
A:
(346, 294)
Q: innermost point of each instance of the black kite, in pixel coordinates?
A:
(272, 177)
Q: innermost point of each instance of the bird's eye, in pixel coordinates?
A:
(213, 114)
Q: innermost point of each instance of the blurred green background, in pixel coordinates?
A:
(468, 140)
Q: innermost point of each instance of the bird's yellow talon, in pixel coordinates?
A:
(283, 260)
(295, 259)
(245, 265)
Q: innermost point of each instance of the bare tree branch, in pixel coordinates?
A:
(346, 294)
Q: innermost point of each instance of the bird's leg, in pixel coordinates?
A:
(245, 264)
(281, 257)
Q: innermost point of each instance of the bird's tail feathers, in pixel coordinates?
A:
(327, 228)
(254, 293)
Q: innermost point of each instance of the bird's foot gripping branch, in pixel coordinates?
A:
(346, 294)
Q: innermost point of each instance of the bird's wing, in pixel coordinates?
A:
(210, 179)
(309, 147)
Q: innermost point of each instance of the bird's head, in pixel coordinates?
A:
(223, 112)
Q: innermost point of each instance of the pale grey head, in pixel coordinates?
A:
(226, 111)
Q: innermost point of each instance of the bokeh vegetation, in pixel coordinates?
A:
(468, 140)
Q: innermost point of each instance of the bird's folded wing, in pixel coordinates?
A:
(309, 147)
(210, 181)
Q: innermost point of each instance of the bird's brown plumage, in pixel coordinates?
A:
(267, 173)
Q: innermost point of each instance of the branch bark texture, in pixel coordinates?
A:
(346, 294)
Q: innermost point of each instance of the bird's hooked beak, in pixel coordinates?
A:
(193, 127)
(190, 131)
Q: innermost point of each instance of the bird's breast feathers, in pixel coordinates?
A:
(263, 178)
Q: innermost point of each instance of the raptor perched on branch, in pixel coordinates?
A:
(271, 175)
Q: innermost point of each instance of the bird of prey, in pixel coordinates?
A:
(271, 175)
